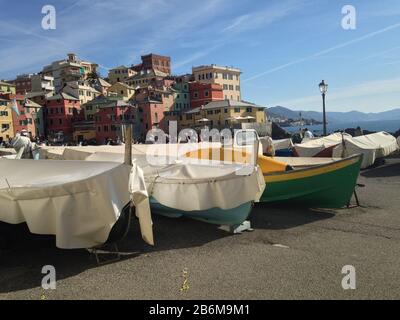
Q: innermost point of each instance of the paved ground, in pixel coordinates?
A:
(313, 246)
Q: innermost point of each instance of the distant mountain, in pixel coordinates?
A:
(334, 116)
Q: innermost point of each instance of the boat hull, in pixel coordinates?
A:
(231, 217)
(325, 186)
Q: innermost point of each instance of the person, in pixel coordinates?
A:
(359, 132)
(308, 134)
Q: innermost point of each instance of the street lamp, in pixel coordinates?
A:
(323, 87)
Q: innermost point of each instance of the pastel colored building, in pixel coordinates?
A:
(6, 87)
(70, 69)
(30, 117)
(223, 114)
(123, 90)
(109, 119)
(60, 112)
(227, 77)
(92, 107)
(181, 96)
(120, 74)
(147, 77)
(84, 131)
(6, 120)
(204, 93)
(81, 90)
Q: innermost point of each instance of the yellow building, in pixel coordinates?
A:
(6, 120)
(6, 87)
(123, 90)
(229, 114)
(228, 78)
(84, 131)
(120, 74)
(81, 91)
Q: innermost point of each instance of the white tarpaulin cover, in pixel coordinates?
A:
(372, 146)
(312, 148)
(77, 201)
(283, 144)
(191, 184)
(177, 150)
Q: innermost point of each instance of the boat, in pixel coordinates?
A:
(372, 146)
(319, 183)
(319, 147)
(328, 185)
(218, 193)
(81, 203)
(283, 147)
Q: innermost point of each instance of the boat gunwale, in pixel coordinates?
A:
(325, 165)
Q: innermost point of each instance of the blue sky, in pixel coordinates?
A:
(284, 47)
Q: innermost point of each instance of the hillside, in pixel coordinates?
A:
(334, 116)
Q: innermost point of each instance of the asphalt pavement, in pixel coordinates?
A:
(292, 253)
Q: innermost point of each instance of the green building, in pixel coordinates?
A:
(92, 107)
(181, 96)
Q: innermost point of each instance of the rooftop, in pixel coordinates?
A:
(63, 96)
(225, 104)
(214, 66)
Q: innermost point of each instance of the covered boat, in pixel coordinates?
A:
(283, 147)
(216, 193)
(321, 147)
(77, 201)
(324, 183)
(329, 185)
(372, 147)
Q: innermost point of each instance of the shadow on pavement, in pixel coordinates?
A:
(22, 262)
(25, 254)
(389, 170)
(280, 216)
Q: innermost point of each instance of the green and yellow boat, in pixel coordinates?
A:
(328, 185)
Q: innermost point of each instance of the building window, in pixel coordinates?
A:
(225, 87)
(98, 129)
(237, 110)
(196, 95)
(237, 88)
(231, 87)
(249, 110)
(206, 93)
(105, 128)
(224, 76)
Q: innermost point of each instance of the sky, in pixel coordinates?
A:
(283, 47)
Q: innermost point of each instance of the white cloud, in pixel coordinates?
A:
(323, 52)
(268, 15)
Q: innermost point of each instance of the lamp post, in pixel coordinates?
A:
(323, 87)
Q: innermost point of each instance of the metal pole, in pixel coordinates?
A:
(128, 143)
(323, 102)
